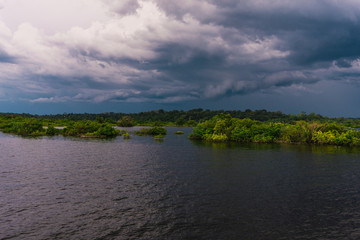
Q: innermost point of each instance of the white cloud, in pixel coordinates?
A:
(52, 15)
(51, 100)
(144, 50)
(122, 7)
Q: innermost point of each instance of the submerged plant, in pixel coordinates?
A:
(179, 132)
(126, 135)
(159, 136)
(151, 131)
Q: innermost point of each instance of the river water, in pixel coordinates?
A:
(69, 188)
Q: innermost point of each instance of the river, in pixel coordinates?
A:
(141, 188)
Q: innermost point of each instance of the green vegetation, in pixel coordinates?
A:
(181, 118)
(90, 129)
(126, 135)
(159, 136)
(223, 128)
(31, 127)
(52, 131)
(179, 132)
(215, 126)
(40, 127)
(126, 122)
(151, 131)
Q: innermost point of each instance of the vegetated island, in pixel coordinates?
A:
(223, 128)
(258, 126)
(32, 127)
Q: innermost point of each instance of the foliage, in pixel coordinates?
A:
(142, 132)
(179, 132)
(217, 126)
(191, 117)
(126, 135)
(183, 118)
(159, 136)
(126, 122)
(106, 130)
(223, 128)
(34, 127)
(151, 131)
(27, 127)
(51, 131)
(157, 131)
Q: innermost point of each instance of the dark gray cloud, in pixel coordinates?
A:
(323, 31)
(315, 35)
(6, 58)
(172, 51)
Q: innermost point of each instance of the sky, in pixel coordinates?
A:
(138, 55)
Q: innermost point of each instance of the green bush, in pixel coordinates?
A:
(241, 134)
(293, 134)
(262, 138)
(126, 135)
(126, 122)
(27, 128)
(51, 131)
(142, 132)
(157, 131)
(324, 137)
(107, 131)
(179, 132)
(159, 136)
(151, 131)
(219, 137)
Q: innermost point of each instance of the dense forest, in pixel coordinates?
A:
(191, 117)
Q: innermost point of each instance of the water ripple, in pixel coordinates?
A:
(65, 188)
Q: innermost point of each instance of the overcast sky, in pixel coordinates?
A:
(130, 56)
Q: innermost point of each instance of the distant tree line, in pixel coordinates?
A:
(188, 118)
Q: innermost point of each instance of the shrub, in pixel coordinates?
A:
(179, 132)
(324, 137)
(126, 122)
(107, 131)
(51, 131)
(200, 131)
(151, 131)
(157, 131)
(27, 128)
(159, 136)
(219, 138)
(262, 138)
(126, 135)
(241, 134)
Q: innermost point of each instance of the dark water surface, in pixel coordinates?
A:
(67, 188)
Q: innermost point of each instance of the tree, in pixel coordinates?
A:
(126, 122)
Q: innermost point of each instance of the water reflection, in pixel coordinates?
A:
(316, 149)
(71, 188)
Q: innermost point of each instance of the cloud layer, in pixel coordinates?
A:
(172, 51)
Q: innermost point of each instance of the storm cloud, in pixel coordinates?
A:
(173, 51)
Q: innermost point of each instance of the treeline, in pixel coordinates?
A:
(30, 126)
(223, 128)
(191, 117)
